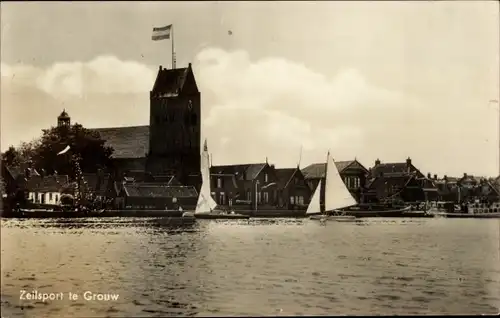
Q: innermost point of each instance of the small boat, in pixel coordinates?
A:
(337, 196)
(206, 205)
(379, 212)
(475, 210)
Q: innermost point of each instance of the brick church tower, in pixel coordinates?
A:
(174, 124)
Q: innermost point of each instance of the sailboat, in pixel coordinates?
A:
(337, 196)
(206, 205)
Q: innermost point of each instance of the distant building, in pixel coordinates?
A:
(399, 181)
(249, 186)
(45, 189)
(293, 189)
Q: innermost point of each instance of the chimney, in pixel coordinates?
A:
(465, 175)
(161, 67)
(435, 177)
(445, 178)
(377, 162)
(408, 161)
(189, 65)
(428, 175)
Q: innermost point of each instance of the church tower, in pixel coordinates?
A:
(63, 120)
(174, 124)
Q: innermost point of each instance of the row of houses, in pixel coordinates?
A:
(254, 186)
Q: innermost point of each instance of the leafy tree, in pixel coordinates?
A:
(85, 145)
(24, 153)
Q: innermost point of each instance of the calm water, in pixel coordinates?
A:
(256, 267)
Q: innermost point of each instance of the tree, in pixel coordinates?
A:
(85, 144)
(24, 153)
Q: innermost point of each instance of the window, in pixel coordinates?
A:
(259, 197)
(301, 200)
(57, 198)
(266, 197)
(291, 200)
(50, 196)
(265, 178)
(219, 183)
(222, 200)
(213, 195)
(249, 196)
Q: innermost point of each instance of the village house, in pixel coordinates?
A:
(45, 189)
(245, 186)
(474, 187)
(293, 190)
(448, 188)
(27, 184)
(352, 172)
(400, 181)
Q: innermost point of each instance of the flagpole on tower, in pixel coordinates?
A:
(173, 51)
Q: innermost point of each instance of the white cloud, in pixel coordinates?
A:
(102, 75)
(281, 105)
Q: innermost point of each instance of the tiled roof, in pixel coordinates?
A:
(16, 171)
(127, 142)
(241, 172)
(158, 191)
(390, 169)
(46, 184)
(317, 170)
(170, 81)
(284, 175)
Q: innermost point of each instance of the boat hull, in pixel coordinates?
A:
(336, 218)
(216, 216)
(404, 212)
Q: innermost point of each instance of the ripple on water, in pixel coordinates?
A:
(257, 267)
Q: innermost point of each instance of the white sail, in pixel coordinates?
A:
(205, 202)
(314, 206)
(337, 196)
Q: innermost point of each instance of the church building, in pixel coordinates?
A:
(170, 144)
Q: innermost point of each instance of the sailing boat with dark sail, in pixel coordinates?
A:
(337, 196)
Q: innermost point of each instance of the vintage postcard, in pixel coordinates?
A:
(253, 158)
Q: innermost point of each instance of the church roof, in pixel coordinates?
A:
(127, 142)
(170, 81)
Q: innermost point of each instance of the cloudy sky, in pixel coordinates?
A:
(366, 80)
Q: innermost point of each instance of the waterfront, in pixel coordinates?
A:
(256, 267)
